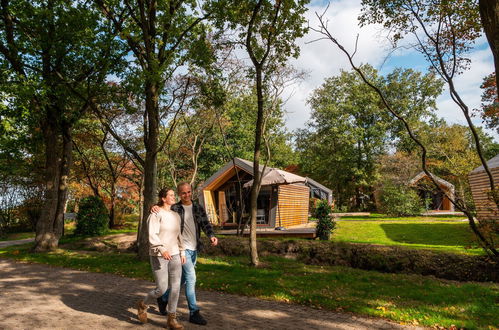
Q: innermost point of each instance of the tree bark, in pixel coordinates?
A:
(112, 210)
(50, 226)
(255, 188)
(65, 165)
(151, 142)
(489, 13)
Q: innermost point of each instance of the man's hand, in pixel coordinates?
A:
(214, 241)
(182, 259)
(155, 209)
(166, 255)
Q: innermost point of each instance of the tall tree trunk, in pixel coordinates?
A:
(112, 210)
(50, 226)
(255, 188)
(151, 141)
(65, 165)
(45, 239)
(489, 13)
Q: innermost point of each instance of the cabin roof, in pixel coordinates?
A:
(492, 163)
(422, 174)
(247, 166)
(316, 184)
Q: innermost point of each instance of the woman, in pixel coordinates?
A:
(167, 256)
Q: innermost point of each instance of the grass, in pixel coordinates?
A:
(440, 233)
(129, 225)
(441, 236)
(437, 232)
(384, 217)
(410, 299)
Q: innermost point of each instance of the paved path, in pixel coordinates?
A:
(16, 242)
(35, 296)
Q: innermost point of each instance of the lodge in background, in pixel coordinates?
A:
(282, 203)
(435, 199)
(486, 209)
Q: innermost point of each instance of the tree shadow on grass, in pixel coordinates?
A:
(454, 234)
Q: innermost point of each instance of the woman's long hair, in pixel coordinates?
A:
(162, 194)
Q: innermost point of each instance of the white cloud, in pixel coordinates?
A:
(322, 59)
(468, 86)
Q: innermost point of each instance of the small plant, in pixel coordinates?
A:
(92, 217)
(399, 200)
(325, 221)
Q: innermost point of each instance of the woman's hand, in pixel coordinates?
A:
(182, 260)
(166, 255)
(155, 209)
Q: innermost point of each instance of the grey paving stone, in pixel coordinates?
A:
(35, 296)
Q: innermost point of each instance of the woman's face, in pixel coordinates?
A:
(170, 198)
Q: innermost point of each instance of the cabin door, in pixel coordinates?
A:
(222, 207)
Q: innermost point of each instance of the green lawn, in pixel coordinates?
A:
(410, 299)
(443, 235)
(129, 225)
(384, 217)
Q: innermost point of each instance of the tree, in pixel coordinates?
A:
(162, 37)
(101, 163)
(446, 30)
(452, 155)
(349, 129)
(490, 102)
(51, 51)
(489, 13)
(267, 30)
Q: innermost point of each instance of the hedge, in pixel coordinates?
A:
(388, 259)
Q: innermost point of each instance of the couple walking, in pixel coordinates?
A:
(174, 239)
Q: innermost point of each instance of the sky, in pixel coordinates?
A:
(322, 59)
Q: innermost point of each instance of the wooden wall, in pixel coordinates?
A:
(292, 205)
(479, 183)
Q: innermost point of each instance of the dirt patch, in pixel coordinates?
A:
(110, 243)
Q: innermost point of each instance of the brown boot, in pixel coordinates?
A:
(142, 311)
(172, 323)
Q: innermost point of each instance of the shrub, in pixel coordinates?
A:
(399, 200)
(92, 217)
(389, 259)
(325, 221)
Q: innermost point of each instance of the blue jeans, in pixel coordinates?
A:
(189, 279)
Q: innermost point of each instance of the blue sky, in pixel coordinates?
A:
(322, 59)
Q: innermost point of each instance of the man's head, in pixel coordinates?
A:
(184, 190)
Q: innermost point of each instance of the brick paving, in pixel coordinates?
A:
(35, 296)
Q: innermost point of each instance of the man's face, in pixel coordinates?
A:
(185, 193)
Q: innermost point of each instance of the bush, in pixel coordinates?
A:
(325, 221)
(399, 200)
(388, 259)
(92, 217)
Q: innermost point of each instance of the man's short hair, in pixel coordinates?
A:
(181, 184)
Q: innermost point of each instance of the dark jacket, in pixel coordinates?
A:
(200, 219)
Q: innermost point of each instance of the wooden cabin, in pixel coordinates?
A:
(278, 205)
(427, 191)
(319, 191)
(486, 209)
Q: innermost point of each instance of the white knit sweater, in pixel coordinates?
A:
(164, 233)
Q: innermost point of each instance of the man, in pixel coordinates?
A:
(193, 218)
